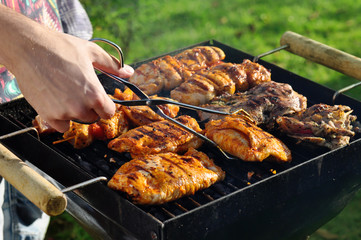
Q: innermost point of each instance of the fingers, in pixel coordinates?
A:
(106, 109)
(59, 125)
(108, 63)
(125, 72)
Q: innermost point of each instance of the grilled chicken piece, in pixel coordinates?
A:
(143, 115)
(245, 140)
(321, 124)
(205, 85)
(256, 73)
(199, 58)
(264, 102)
(222, 79)
(82, 135)
(164, 177)
(169, 72)
(158, 137)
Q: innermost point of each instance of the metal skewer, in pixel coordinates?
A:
(83, 184)
(21, 131)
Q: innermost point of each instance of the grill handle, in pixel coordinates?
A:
(31, 184)
(323, 54)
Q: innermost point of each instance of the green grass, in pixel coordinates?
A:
(147, 28)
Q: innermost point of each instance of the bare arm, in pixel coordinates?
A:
(55, 70)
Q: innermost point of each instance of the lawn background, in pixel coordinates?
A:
(147, 28)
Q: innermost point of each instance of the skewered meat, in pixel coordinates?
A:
(164, 177)
(324, 125)
(142, 115)
(157, 137)
(82, 135)
(245, 140)
(219, 80)
(169, 72)
(264, 102)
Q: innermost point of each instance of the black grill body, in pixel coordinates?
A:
(291, 204)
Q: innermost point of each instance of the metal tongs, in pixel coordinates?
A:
(153, 104)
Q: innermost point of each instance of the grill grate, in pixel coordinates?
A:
(98, 160)
(253, 196)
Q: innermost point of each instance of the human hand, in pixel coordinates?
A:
(55, 74)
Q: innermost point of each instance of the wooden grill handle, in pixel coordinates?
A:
(323, 54)
(31, 184)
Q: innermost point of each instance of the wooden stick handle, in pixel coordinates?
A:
(323, 54)
(31, 184)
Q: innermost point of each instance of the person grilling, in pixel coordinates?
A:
(46, 57)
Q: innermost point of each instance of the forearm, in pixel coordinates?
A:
(17, 34)
(55, 71)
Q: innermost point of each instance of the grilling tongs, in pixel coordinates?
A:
(153, 104)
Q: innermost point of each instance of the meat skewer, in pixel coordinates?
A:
(82, 135)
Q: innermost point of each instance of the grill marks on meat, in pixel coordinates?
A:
(245, 140)
(225, 78)
(143, 115)
(321, 124)
(158, 137)
(264, 102)
(164, 177)
(199, 58)
(205, 85)
(169, 72)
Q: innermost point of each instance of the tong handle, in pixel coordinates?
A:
(323, 54)
(31, 184)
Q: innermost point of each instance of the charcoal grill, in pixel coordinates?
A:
(276, 201)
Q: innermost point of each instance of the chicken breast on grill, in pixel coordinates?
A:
(168, 72)
(264, 102)
(222, 79)
(245, 140)
(164, 177)
(205, 85)
(256, 73)
(201, 57)
(321, 124)
(158, 137)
